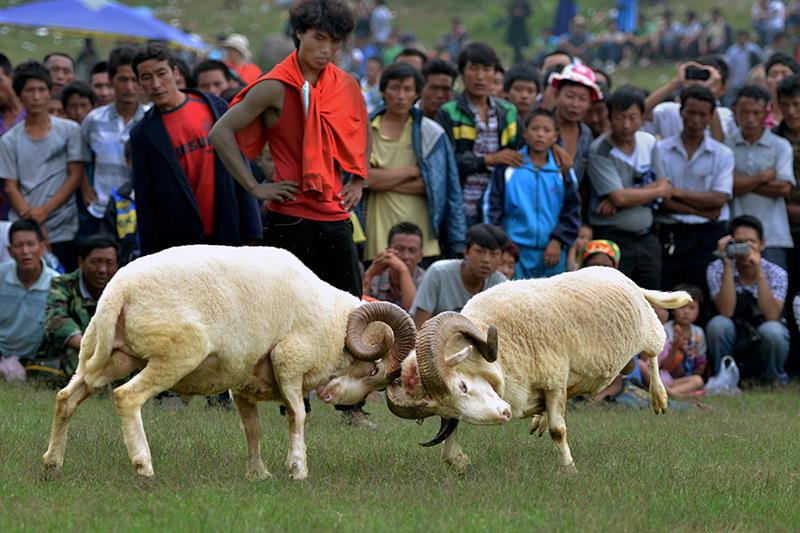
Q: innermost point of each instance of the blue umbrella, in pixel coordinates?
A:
(99, 18)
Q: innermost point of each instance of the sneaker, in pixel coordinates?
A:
(358, 418)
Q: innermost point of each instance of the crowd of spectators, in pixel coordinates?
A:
(527, 171)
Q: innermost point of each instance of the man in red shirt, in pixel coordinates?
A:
(238, 57)
(314, 118)
(184, 195)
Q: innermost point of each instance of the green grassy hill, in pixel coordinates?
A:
(428, 20)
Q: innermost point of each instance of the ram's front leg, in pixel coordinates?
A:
(556, 400)
(248, 412)
(296, 413)
(453, 456)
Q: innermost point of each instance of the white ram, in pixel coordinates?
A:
(206, 319)
(521, 349)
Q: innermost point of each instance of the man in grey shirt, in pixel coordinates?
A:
(764, 172)
(626, 179)
(450, 283)
(41, 164)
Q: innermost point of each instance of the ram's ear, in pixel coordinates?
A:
(458, 357)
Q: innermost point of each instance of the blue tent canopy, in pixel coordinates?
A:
(96, 18)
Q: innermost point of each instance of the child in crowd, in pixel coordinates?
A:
(521, 88)
(576, 250)
(537, 205)
(600, 252)
(508, 261)
(683, 361)
(55, 107)
(120, 217)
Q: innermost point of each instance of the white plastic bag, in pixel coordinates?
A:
(11, 369)
(726, 382)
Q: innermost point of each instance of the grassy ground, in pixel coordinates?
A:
(733, 467)
(427, 20)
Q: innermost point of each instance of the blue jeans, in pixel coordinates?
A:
(772, 352)
(531, 264)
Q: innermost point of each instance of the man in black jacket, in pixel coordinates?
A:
(184, 194)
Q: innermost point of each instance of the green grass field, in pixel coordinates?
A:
(732, 467)
(427, 20)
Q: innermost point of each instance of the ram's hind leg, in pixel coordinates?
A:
(70, 397)
(156, 377)
(556, 401)
(248, 412)
(67, 400)
(658, 393)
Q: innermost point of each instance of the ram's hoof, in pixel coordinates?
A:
(659, 403)
(258, 476)
(297, 471)
(146, 483)
(538, 424)
(568, 470)
(460, 463)
(50, 472)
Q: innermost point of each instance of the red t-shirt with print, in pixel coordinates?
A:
(188, 126)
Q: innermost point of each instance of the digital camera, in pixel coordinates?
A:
(734, 249)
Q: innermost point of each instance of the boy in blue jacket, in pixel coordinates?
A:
(536, 204)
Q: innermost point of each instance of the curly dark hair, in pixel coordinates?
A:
(79, 88)
(30, 70)
(334, 17)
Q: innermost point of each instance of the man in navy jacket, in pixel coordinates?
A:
(184, 194)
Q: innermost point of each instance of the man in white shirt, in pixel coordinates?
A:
(695, 217)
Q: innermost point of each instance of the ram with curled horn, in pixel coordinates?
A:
(522, 348)
(206, 319)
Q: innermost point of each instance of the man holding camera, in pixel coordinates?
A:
(708, 71)
(748, 292)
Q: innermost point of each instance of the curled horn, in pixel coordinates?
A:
(396, 344)
(405, 409)
(448, 426)
(431, 342)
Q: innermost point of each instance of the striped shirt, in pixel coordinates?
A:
(381, 287)
(103, 137)
(777, 279)
(487, 141)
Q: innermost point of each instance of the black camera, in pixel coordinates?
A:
(697, 73)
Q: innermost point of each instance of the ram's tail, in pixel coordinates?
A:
(98, 341)
(667, 300)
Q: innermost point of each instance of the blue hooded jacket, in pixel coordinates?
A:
(534, 204)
